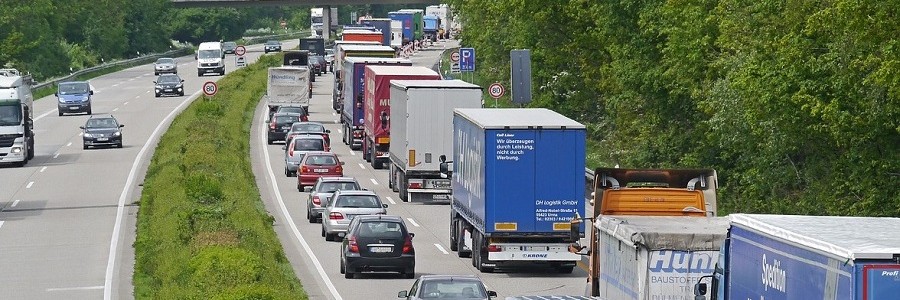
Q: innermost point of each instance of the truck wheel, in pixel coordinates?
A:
(30, 149)
(403, 188)
(481, 255)
(453, 234)
(565, 270)
(391, 174)
(373, 158)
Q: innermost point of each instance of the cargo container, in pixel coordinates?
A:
(418, 24)
(383, 26)
(344, 49)
(807, 257)
(351, 105)
(377, 108)
(518, 181)
(407, 28)
(315, 45)
(422, 134)
(362, 36)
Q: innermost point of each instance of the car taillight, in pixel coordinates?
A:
(291, 151)
(353, 246)
(407, 245)
(316, 200)
(358, 104)
(494, 248)
(272, 126)
(335, 216)
(339, 169)
(304, 169)
(304, 118)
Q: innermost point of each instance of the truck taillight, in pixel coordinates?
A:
(407, 245)
(354, 247)
(335, 216)
(415, 184)
(494, 248)
(316, 200)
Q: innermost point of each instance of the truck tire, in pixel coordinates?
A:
(365, 150)
(565, 270)
(30, 155)
(454, 235)
(403, 187)
(391, 175)
(481, 255)
(345, 134)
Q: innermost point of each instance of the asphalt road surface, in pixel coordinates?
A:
(316, 261)
(67, 219)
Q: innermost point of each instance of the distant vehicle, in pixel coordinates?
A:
(447, 287)
(329, 57)
(289, 84)
(377, 243)
(169, 84)
(280, 124)
(74, 97)
(322, 192)
(210, 58)
(316, 165)
(300, 110)
(102, 131)
(318, 64)
(165, 65)
(310, 128)
(229, 47)
(272, 46)
(314, 44)
(296, 148)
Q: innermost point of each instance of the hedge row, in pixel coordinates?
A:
(202, 231)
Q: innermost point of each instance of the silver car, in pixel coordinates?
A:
(322, 191)
(345, 205)
(296, 148)
(165, 65)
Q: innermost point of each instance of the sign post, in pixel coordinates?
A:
(454, 62)
(210, 88)
(520, 76)
(496, 90)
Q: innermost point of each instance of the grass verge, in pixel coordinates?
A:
(202, 230)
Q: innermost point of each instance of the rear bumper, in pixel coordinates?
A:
(310, 179)
(404, 263)
(277, 135)
(94, 142)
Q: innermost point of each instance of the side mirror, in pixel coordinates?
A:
(342, 163)
(182, 80)
(154, 81)
(121, 125)
(402, 294)
(82, 127)
(700, 290)
(384, 205)
(492, 294)
(91, 92)
(412, 235)
(442, 158)
(327, 131)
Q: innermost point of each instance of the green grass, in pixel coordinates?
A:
(202, 229)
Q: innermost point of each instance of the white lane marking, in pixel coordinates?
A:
(1, 223)
(126, 103)
(15, 203)
(290, 220)
(132, 79)
(115, 109)
(30, 183)
(81, 133)
(69, 144)
(56, 155)
(361, 166)
(138, 96)
(373, 181)
(340, 131)
(352, 152)
(147, 92)
(413, 222)
(441, 248)
(82, 288)
(44, 114)
(115, 85)
(120, 210)
(43, 169)
(333, 113)
(390, 200)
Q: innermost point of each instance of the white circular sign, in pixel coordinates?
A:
(240, 50)
(210, 88)
(496, 90)
(454, 57)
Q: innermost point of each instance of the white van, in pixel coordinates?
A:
(210, 58)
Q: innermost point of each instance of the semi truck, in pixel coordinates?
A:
(317, 19)
(383, 26)
(430, 29)
(396, 34)
(346, 49)
(16, 118)
(377, 108)
(289, 84)
(806, 257)
(315, 45)
(517, 181)
(407, 28)
(417, 22)
(442, 11)
(422, 132)
(351, 105)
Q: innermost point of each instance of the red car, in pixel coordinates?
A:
(315, 165)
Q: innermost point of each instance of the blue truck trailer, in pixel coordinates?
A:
(517, 182)
(431, 26)
(406, 20)
(806, 257)
(351, 106)
(383, 25)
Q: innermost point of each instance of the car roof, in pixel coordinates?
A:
(356, 192)
(363, 218)
(309, 122)
(101, 116)
(449, 276)
(286, 114)
(308, 153)
(309, 136)
(337, 179)
(73, 81)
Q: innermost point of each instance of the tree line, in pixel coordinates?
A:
(795, 103)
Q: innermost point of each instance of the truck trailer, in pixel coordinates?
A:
(344, 49)
(315, 45)
(417, 22)
(16, 118)
(381, 25)
(407, 28)
(351, 105)
(518, 180)
(377, 108)
(806, 257)
(289, 84)
(431, 26)
(422, 133)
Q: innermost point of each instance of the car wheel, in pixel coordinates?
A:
(85, 147)
(347, 274)
(89, 111)
(199, 74)
(157, 95)
(287, 173)
(182, 93)
(299, 187)
(119, 145)
(323, 230)
(343, 268)
(155, 73)
(271, 142)
(330, 237)
(409, 275)
(60, 113)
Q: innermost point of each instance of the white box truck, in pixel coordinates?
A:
(210, 58)
(16, 118)
(289, 85)
(422, 134)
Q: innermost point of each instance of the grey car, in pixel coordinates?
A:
(102, 131)
(322, 191)
(165, 65)
(296, 148)
(460, 287)
(345, 205)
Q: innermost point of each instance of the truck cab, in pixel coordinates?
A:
(210, 58)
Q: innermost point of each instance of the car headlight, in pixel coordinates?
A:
(117, 133)
(87, 135)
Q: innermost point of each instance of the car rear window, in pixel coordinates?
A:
(381, 229)
(452, 289)
(321, 160)
(309, 145)
(330, 187)
(299, 110)
(308, 127)
(357, 201)
(286, 119)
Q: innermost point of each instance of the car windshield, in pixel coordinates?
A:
(331, 187)
(101, 123)
(209, 54)
(291, 109)
(168, 79)
(381, 229)
(308, 127)
(165, 61)
(452, 289)
(357, 201)
(70, 88)
(286, 119)
(272, 43)
(10, 115)
(230, 45)
(321, 160)
(309, 145)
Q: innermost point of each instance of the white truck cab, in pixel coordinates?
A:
(210, 58)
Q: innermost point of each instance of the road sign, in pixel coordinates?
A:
(240, 61)
(240, 50)
(496, 90)
(454, 67)
(454, 57)
(210, 88)
(467, 59)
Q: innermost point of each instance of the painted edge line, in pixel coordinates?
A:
(390, 200)
(413, 222)
(441, 248)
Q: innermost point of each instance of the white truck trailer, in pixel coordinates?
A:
(16, 118)
(289, 85)
(422, 133)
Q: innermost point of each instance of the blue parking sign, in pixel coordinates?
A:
(467, 59)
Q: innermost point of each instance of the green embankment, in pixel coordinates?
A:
(202, 230)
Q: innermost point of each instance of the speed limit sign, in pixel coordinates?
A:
(210, 88)
(496, 90)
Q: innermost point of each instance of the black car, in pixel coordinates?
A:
(378, 243)
(318, 65)
(229, 47)
(304, 114)
(169, 84)
(272, 46)
(102, 131)
(280, 124)
(466, 287)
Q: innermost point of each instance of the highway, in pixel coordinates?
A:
(317, 262)
(67, 218)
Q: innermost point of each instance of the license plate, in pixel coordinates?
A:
(440, 197)
(168, 90)
(286, 127)
(381, 249)
(320, 170)
(102, 139)
(73, 107)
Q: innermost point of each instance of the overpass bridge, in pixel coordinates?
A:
(245, 3)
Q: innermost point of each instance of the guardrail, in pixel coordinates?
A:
(111, 65)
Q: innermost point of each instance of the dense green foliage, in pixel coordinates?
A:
(202, 232)
(796, 103)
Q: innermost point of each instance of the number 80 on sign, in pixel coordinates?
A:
(210, 88)
(496, 90)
